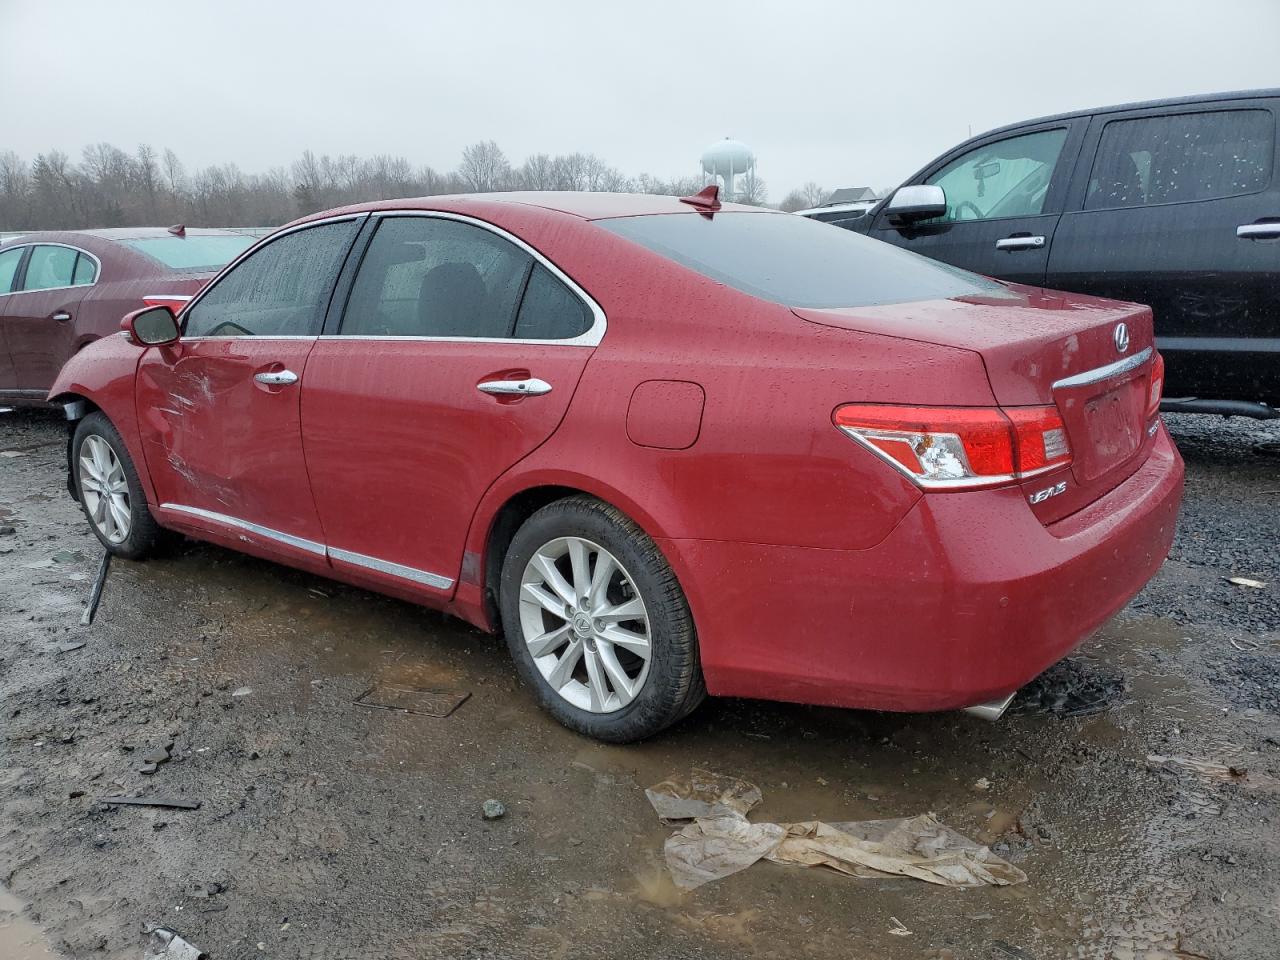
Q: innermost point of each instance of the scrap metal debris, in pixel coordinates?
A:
(1073, 687)
(169, 803)
(721, 841)
(95, 595)
(168, 945)
(427, 702)
(1247, 582)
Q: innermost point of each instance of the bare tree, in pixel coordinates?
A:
(752, 190)
(484, 167)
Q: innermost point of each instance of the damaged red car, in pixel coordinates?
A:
(666, 447)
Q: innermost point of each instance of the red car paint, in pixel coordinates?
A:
(34, 345)
(815, 571)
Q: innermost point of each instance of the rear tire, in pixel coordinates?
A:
(597, 623)
(110, 493)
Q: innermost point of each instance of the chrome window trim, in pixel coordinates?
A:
(296, 336)
(97, 266)
(591, 338)
(395, 569)
(1098, 374)
(262, 242)
(310, 546)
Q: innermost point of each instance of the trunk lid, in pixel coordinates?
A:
(1042, 347)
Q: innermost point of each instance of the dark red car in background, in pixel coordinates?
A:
(666, 447)
(60, 290)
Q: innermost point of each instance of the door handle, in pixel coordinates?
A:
(276, 377)
(1258, 231)
(532, 387)
(61, 316)
(1020, 243)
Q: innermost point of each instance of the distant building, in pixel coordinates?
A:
(850, 195)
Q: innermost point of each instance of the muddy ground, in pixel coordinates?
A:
(332, 830)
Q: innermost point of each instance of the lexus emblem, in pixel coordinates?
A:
(1121, 337)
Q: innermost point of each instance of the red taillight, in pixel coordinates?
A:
(948, 447)
(1157, 387)
(173, 301)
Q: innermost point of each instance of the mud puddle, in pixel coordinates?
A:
(19, 938)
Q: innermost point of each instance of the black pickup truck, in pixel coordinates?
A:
(1172, 203)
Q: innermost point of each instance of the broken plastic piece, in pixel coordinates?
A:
(708, 198)
(95, 595)
(168, 945)
(167, 802)
(702, 794)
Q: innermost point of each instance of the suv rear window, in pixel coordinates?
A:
(798, 262)
(197, 254)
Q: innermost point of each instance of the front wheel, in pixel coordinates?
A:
(109, 490)
(597, 623)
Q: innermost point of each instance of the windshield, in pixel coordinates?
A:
(197, 254)
(798, 262)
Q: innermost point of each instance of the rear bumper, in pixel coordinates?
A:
(966, 600)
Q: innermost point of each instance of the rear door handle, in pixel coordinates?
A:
(61, 316)
(1258, 231)
(1020, 243)
(532, 387)
(276, 377)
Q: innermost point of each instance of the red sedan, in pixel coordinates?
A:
(666, 447)
(61, 290)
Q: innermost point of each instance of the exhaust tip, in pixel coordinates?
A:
(992, 710)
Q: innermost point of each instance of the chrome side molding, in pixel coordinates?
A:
(413, 574)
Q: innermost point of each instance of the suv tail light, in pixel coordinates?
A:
(960, 447)
(1157, 387)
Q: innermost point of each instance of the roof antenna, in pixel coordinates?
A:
(706, 199)
(178, 230)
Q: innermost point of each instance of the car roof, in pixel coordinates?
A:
(585, 205)
(1141, 105)
(147, 233)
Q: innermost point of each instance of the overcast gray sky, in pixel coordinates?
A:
(842, 93)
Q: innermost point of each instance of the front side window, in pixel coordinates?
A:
(280, 290)
(1008, 178)
(9, 268)
(434, 277)
(50, 267)
(797, 261)
(1181, 157)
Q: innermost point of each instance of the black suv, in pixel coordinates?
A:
(1173, 203)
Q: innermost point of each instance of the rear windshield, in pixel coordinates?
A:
(798, 262)
(197, 254)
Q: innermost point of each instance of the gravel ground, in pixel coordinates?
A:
(328, 829)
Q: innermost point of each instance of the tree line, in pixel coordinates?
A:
(109, 187)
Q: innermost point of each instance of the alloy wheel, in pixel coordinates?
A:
(105, 490)
(585, 624)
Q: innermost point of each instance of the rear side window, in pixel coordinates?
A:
(550, 310)
(192, 253)
(1181, 157)
(1008, 178)
(435, 277)
(50, 267)
(9, 267)
(86, 271)
(281, 289)
(797, 261)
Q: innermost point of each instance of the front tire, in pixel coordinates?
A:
(597, 623)
(109, 490)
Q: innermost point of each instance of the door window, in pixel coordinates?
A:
(9, 267)
(50, 267)
(279, 290)
(1008, 178)
(1181, 157)
(86, 271)
(434, 277)
(549, 310)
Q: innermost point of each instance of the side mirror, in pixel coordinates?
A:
(151, 326)
(913, 204)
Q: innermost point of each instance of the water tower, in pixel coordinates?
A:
(727, 159)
